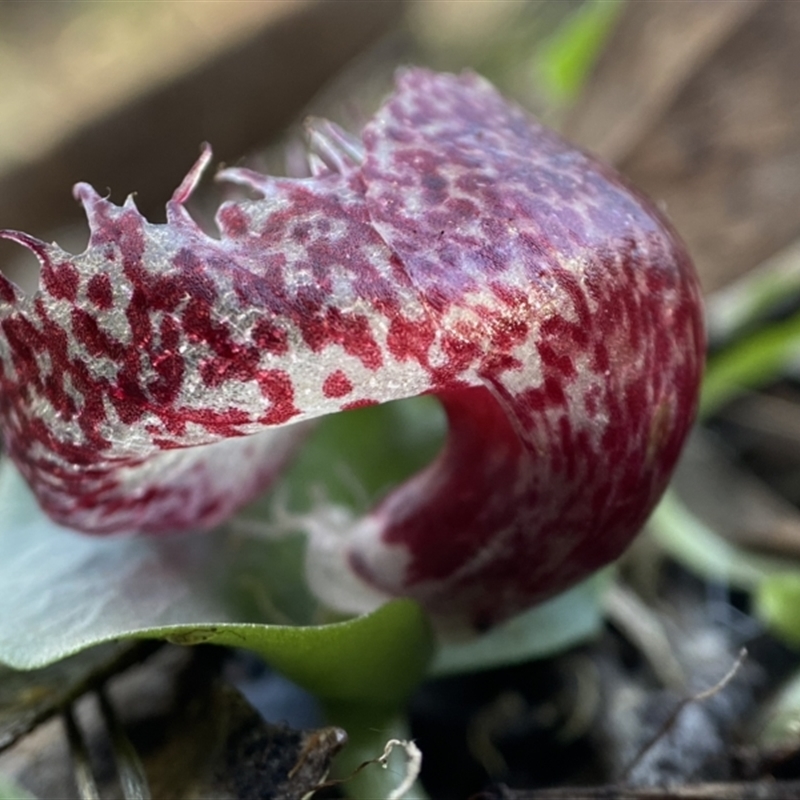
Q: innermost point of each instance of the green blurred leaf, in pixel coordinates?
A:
(744, 305)
(377, 658)
(688, 539)
(777, 603)
(746, 365)
(773, 582)
(750, 363)
(564, 60)
(355, 457)
(10, 791)
(752, 360)
(776, 727)
(552, 627)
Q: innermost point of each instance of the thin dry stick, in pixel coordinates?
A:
(642, 627)
(132, 777)
(413, 765)
(756, 790)
(118, 663)
(82, 768)
(670, 721)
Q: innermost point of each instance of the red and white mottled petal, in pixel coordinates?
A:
(160, 337)
(460, 249)
(578, 309)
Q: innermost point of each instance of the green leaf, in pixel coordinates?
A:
(10, 791)
(64, 592)
(750, 363)
(745, 304)
(378, 658)
(564, 60)
(777, 603)
(688, 539)
(552, 627)
(773, 582)
(776, 727)
(355, 457)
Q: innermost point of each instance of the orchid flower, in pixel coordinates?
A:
(160, 379)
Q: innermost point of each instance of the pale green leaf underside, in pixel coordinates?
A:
(63, 592)
(547, 629)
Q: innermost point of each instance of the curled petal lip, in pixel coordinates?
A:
(457, 248)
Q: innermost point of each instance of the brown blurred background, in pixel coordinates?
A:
(697, 101)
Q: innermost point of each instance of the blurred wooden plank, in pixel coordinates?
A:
(238, 98)
(654, 50)
(722, 153)
(726, 158)
(67, 64)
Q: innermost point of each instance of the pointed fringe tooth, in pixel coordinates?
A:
(176, 210)
(86, 194)
(242, 176)
(94, 205)
(343, 140)
(339, 150)
(36, 246)
(92, 201)
(9, 293)
(189, 183)
(317, 167)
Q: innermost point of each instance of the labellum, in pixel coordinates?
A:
(160, 379)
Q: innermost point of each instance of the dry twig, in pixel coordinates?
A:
(755, 790)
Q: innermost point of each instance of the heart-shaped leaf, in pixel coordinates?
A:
(64, 592)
